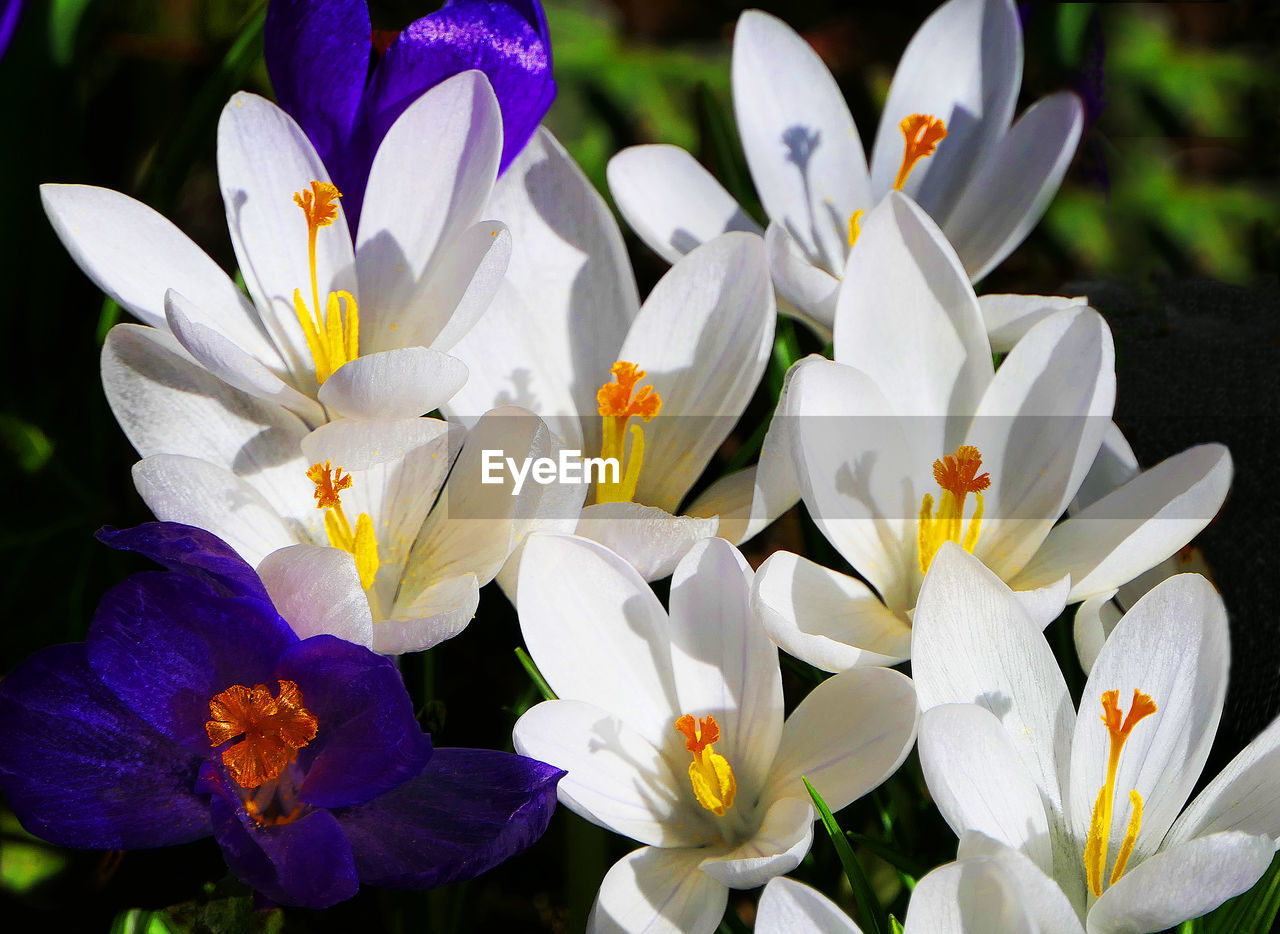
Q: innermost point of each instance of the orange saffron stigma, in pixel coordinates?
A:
(958, 473)
(923, 132)
(710, 774)
(698, 735)
(330, 482)
(274, 729)
(319, 204)
(616, 399)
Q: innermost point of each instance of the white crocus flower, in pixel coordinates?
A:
(353, 526)
(332, 329)
(1092, 805)
(567, 338)
(671, 728)
(945, 139)
(909, 439)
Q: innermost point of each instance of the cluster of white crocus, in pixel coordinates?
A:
(296, 424)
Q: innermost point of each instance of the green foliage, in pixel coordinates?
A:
(869, 909)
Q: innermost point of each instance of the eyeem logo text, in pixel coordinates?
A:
(570, 467)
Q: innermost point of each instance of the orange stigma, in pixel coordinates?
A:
(618, 401)
(713, 783)
(698, 735)
(274, 729)
(1097, 842)
(330, 482)
(332, 330)
(923, 133)
(957, 475)
(319, 204)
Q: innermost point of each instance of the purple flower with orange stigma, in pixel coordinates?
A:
(192, 709)
(346, 83)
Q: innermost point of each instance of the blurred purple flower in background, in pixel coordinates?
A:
(346, 84)
(10, 10)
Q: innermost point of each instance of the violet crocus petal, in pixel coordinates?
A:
(80, 769)
(497, 38)
(166, 644)
(306, 862)
(468, 811)
(368, 740)
(317, 54)
(190, 551)
(10, 10)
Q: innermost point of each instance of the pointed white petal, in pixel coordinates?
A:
(617, 778)
(657, 891)
(1245, 796)
(672, 202)
(1008, 317)
(437, 612)
(317, 591)
(970, 895)
(1115, 465)
(1094, 621)
(828, 619)
(778, 846)
(1018, 178)
(790, 907)
(810, 289)
(849, 735)
(1046, 904)
(402, 383)
(800, 142)
(429, 182)
(263, 159)
(650, 539)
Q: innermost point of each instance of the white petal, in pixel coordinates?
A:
(908, 318)
(1115, 465)
(723, 661)
(826, 618)
(1137, 526)
(672, 202)
(1046, 904)
(790, 907)
(195, 492)
(964, 66)
(135, 255)
(703, 338)
(778, 846)
(973, 643)
(617, 778)
(656, 891)
(966, 897)
(231, 363)
(263, 159)
(1173, 646)
(979, 782)
(429, 182)
(1245, 796)
(1094, 621)
(437, 612)
(1182, 883)
(1008, 317)
(802, 286)
(317, 591)
(650, 539)
(1017, 179)
(1038, 430)
(597, 632)
(394, 384)
(800, 142)
(849, 735)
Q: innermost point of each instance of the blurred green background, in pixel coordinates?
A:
(1169, 219)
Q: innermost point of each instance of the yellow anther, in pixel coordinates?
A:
(618, 401)
(1097, 842)
(922, 132)
(332, 336)
(361, 543)
(855, 226)
(710, 774)
(957, 475)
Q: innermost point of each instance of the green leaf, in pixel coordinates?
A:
(25, 443)
(868, 906)
(535, 675)
(895, 926)
(64, 24)
(25, 861)
(1254, 912)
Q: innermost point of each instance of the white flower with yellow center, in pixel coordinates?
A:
(333, 327)
(658, 386)
(1087, 812)
(671, 728)
(945, 139)
(910, 439)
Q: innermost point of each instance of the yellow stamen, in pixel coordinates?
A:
(957, 475)
(922, 132)
(855, 226)
(362, 543)
(1096, 844)
(332, 337)
(617, 402)
(274, 729)
(710, 774)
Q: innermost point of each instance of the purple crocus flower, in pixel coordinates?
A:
(345, 89)
(10, 10)
(192, 709)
